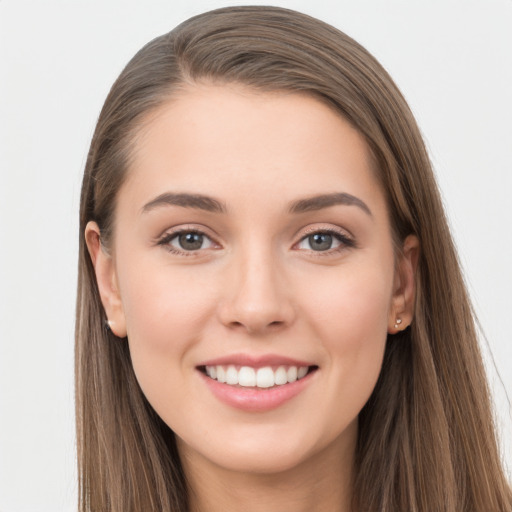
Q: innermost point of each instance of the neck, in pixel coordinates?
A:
(320, 483)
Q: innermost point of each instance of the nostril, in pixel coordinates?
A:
(236, 324)
(253, 327)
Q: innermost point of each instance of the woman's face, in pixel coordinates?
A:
(252, 244)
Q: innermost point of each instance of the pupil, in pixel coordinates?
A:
(191, 241)
(320, 241)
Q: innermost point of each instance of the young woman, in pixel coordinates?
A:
(271, 314)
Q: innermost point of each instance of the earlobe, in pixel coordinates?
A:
(106, 279)
(404, 291)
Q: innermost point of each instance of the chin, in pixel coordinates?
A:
(268, 462)
(261, 462)
(265, 453)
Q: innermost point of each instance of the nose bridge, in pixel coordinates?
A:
(257, 296)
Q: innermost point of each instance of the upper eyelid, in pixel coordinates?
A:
(322, 228)
(187, 228)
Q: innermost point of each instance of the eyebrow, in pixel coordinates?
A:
(326, 200)
(209, 204)
(196, 201)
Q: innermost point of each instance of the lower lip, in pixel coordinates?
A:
(256, 399)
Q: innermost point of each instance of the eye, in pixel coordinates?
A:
(186, 241)
(323, 241)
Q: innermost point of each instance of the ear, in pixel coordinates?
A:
(107, 280)
(404, 288)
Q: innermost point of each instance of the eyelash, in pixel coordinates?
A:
(167, 238)
(345, 241)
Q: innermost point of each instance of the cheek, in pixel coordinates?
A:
(350, 317)
(163, 303)
(166, 310)
(350, 306)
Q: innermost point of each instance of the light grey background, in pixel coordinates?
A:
(453, 61)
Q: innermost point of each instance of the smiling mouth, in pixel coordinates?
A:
(250, 377)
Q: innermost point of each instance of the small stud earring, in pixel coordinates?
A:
(398, 321)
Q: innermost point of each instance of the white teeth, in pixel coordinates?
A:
(221, 374)
(265, 377)
(231, 375)
(280, 376)
(247, 377)
(301, 372)
(291, 374)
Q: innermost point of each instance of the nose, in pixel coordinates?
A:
(256, 297)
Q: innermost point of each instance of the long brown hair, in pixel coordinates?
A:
(426, 436)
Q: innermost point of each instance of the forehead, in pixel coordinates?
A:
(230, 141)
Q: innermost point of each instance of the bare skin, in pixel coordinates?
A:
(297, 489)
(252, 228)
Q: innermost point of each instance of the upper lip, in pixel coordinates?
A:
(255, 361)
